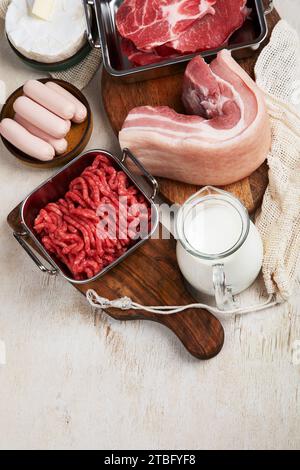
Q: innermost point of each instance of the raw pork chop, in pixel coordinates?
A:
(212, 31)
(221, 150)
(150, 23)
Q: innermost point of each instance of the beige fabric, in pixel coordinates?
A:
(80, 75)
(278, 74)
(3, 7)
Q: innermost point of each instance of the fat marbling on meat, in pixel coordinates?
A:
(151, 23)
(224, 138)
(212, 31)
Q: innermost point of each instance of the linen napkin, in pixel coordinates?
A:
(278, 75)
(81, 74)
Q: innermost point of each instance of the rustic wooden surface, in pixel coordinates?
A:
(74, 378)
(119, 98)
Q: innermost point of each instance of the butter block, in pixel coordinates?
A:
(43, 9)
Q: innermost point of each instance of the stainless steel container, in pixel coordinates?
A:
(242, 44)
(57, 186)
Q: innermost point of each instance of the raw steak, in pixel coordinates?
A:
(221, 150)
(150, 23)
(213, 31)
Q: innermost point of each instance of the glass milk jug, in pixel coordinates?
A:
(219, 249)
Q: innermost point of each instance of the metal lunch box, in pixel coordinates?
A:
(242, 44)
(57, 186)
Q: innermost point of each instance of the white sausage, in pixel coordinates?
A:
(59, 145)
(41, 117)
(80, 110)
(26, 142)
(49, 99)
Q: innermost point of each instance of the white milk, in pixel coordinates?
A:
(214, 229)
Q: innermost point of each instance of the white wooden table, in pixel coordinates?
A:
(76, 379)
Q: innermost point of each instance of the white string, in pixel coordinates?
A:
(125, 303)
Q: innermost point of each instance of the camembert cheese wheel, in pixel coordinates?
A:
(46, 40)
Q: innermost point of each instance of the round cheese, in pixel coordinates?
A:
(46, 41)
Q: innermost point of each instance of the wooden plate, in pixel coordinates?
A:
(77, 138)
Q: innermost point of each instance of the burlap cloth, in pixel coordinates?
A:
(81, 74)
(278, 75)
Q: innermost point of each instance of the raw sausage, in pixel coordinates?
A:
(80, 110)
(26, 142)
(41, 117)
(49, 99)
(60, 145)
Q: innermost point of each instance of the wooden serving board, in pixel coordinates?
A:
(150, 276)
(119, 98)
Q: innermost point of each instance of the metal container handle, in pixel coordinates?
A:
(19, 236)
(270, 7)
(151, 179)
(89, 6)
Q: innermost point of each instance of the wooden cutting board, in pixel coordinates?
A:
(119, 98)
(150, 276)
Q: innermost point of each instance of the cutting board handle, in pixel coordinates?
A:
(200, 332)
